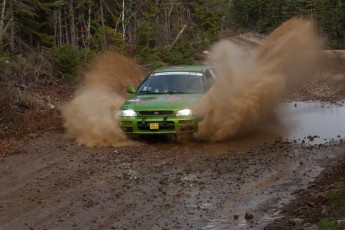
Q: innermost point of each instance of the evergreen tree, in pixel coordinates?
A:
(156, 32)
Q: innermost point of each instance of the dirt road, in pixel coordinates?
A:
(52, 183)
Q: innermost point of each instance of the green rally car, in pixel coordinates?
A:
(163, 102)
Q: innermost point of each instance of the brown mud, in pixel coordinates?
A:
(92, 113)
(52, 183)
(251, 84)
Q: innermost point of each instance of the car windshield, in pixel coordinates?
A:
(173, 83)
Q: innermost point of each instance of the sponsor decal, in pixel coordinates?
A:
(140, 100)
(146, 99)
(135, 100)
(177, 73)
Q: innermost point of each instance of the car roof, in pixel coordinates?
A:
(181, 68)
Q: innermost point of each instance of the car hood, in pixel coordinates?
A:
(162, 102)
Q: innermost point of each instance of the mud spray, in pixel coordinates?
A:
(91, 117)
(251, 83)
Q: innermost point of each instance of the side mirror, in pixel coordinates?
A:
(131, 90)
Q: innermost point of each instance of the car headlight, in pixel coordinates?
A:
(127, 113)
(184, 112)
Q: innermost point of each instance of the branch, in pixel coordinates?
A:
(178, 36)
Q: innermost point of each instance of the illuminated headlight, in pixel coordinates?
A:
(127, 113)
(184, 112)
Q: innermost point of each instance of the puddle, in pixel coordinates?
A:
(302, 122)
(313, 122)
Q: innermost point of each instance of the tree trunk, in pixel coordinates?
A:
(55, 20)
(2, 20)
(66, 30)
(72, 21)
(12, 25)
(123, 22)
(89, 23)
(103, 25)
(60, 27)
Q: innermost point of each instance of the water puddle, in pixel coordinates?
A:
(301, 122)
(313, 122)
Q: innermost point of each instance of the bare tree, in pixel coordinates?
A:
(123, 21)
(89, 22)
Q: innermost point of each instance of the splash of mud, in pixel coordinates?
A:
(251, 83)
(91, 117)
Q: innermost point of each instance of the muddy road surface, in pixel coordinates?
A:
(50, 182)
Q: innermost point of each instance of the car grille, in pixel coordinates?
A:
(163, 125)
(156, 113)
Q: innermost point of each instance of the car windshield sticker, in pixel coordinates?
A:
(135, 100)
(140, 100)
(195, 74)
(178, 73)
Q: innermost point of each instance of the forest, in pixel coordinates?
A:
(49, 39)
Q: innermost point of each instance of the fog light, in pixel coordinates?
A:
(185, 122)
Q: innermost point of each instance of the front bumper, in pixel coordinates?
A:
(159, 124)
